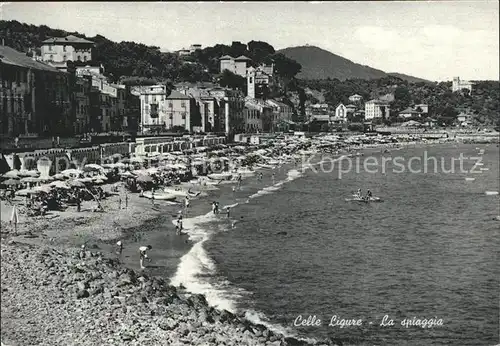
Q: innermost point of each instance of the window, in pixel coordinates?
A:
(79, 58)
(50, 47)
(251, 79)
(84, 58)
(170, 105)
(64, 57)
(183, 115)
(183, 104)
(51, 57)
(146, 99)
(64, 48)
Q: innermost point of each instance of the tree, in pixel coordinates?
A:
(284, 67)
(231, 80)
(260, 50)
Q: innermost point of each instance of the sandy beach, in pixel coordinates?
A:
(51, 295)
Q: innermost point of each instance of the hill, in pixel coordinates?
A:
(318, 63)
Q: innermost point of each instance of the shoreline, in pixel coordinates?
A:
(104, 229)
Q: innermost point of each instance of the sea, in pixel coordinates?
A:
(295, 253)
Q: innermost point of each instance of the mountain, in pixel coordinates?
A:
(318, 63)
(408, 78)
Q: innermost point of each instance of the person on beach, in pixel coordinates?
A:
(261, 176)
(78, 202)
(178, 226)
(186, 202)
(126, 200)
(143, 255)
(119, 202)
(82, 251)
(119, 248)
(228, 210)
(152, 196)
(214, 207)
(217, 210)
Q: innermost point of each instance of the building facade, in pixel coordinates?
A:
(341, 112)
(376, 109)
(57, 51)
(237, 65)
(35, 98)
(355, 98)
(458, 85)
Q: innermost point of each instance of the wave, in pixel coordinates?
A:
(491, 193)
(197, 264)
(197, 272)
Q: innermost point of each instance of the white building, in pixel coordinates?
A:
(237, 65)
(57, 51)
(458, 85)
(257, 79)
(153, 109)
(376, 109)
(341, 112)
(355, 98)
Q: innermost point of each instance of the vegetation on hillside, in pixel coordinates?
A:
(444, 105)
(129, 59)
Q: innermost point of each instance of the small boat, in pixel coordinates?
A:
(220, 176)
(180, 193)
(245, 172)
(261, 165)
(364, 200)
(160, 196)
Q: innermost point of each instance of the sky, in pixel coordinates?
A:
(435, 40)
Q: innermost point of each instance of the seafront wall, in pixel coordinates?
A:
(61, 158)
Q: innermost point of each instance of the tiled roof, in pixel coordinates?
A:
(409, 111)
(11, 56)
(177, 96)
(67, 39)
(242, 57)
(226, 57)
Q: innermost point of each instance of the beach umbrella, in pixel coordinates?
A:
(144, 179)
(136, 159)
(10, 182)
(11, 174)
(24, 192)
(71, 171)
(93, 168)
(76, 183)
(30, 180)
(26, 173)
(127, 174)
(14, 218)
(43, 188)
(101, 177)
(59, 176)
(60, 185)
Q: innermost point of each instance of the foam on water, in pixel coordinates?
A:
(196, 268)
(491, 193)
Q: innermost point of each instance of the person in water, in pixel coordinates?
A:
(214, 207)
(368, 195)
(359, 193)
